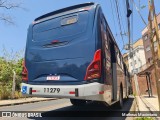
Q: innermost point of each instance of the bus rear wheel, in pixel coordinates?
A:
(77, 102)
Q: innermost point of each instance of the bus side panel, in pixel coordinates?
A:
(103, 44)
(106, 54)
(120, 74)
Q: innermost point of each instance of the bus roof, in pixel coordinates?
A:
(64, 10)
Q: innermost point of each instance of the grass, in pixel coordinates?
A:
(6, 93)
(145, 118)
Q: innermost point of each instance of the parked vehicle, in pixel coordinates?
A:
(71, 53)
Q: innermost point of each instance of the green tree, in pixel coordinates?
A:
(8, 63)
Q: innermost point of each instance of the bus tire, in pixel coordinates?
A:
(121, 98)
(77, 102)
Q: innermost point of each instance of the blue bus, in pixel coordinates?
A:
(71, 53)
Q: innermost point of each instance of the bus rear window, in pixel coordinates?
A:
(65, 26)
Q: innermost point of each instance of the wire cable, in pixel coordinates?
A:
(121, 17)
(139, 12)
(125, 12)
(113, 17)
(132, 23)
(119, 23)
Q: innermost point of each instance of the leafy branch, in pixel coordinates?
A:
(8, 5)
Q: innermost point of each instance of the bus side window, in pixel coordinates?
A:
(122, 63)
(120, 60)
(103, 32)
(118, 56)
(105, 38)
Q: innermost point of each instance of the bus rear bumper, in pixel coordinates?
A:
(91, 91)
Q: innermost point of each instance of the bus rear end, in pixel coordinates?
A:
(61, 59)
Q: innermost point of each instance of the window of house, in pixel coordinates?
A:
(130, 55)
(132, 71)
(135, 62)
(134, 53)
(155, 43)
(155, 49)
(137, 50)
(145, 37)
(148, 48)
(155, 46)
(159, 26)
(131, 63)
(153, 30)
(150, 60)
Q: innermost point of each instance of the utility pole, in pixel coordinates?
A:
(152, 9)
(129, 12)
(13, 86)
(152, 16)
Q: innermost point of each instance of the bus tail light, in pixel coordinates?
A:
(94, 69)
(24, 72)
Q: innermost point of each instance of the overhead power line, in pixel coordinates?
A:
(113, 17)
(121, 18)
(119, 23)
(139, 12)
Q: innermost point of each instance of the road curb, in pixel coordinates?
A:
(25, 102)
(132, 109)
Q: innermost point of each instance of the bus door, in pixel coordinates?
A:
(114, 71)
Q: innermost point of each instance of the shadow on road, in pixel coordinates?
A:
(92, 111)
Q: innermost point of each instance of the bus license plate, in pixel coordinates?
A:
(53, 77)
(51, 90)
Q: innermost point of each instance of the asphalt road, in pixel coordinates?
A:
(62, 109)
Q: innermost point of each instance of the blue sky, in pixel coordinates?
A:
(14, 37)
